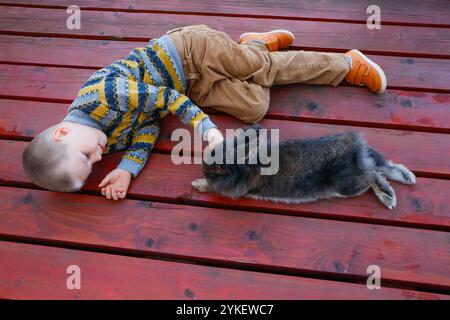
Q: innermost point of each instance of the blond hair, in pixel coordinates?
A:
(41, 162)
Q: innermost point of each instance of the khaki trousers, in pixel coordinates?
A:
(236, 78)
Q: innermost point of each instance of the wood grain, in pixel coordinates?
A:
(412, 12)
(402, 73)
(396, 109)
(393, 40)
(236, 238)
(39, 272)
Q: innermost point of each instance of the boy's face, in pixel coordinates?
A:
(85, 147)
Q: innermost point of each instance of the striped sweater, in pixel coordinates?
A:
(127, 99)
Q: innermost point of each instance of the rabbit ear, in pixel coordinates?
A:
(247, 136)
(255, 126)
(252, 153)
(247, 147)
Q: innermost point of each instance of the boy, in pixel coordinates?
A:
(120, 106)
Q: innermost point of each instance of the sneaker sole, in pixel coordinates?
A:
(273, 31)
(377, 67)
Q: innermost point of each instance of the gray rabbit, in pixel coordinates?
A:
(340, 165)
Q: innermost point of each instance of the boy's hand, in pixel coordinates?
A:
(213, 136)
(116, 184)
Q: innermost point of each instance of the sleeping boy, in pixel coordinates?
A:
(121, 105)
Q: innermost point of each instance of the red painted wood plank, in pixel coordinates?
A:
(396, 109)
(423, 205)
(392, 40)
(409, 73)
(273, 242)
(413, 12)
(423, 152)
(38, 272)
(420, 111)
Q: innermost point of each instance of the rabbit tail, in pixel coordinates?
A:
(393, 171)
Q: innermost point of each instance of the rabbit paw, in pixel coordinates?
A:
(387, 200)
(384, 191)
(201, 185)
(386, 197)
(404, 175)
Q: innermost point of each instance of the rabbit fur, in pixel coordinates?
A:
(340, 165)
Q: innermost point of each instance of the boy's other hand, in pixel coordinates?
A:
(213, 136)
(115, 184)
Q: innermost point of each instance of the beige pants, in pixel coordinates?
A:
(236, 78)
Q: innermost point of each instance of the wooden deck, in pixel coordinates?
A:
(167, 241)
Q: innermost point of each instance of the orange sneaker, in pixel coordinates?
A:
(365, 72)
(274, 40)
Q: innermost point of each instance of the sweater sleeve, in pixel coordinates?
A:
(142, 144)
(156, 101)
(183, 108)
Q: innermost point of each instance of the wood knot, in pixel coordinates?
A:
(338, 266)
(193, 226)
(27, 199)
(406, 103)
(419, 205)
(312, 106)
(189, 293)
(149, 242)
(251, 235)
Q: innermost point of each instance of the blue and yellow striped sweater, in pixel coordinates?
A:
(127, 99)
